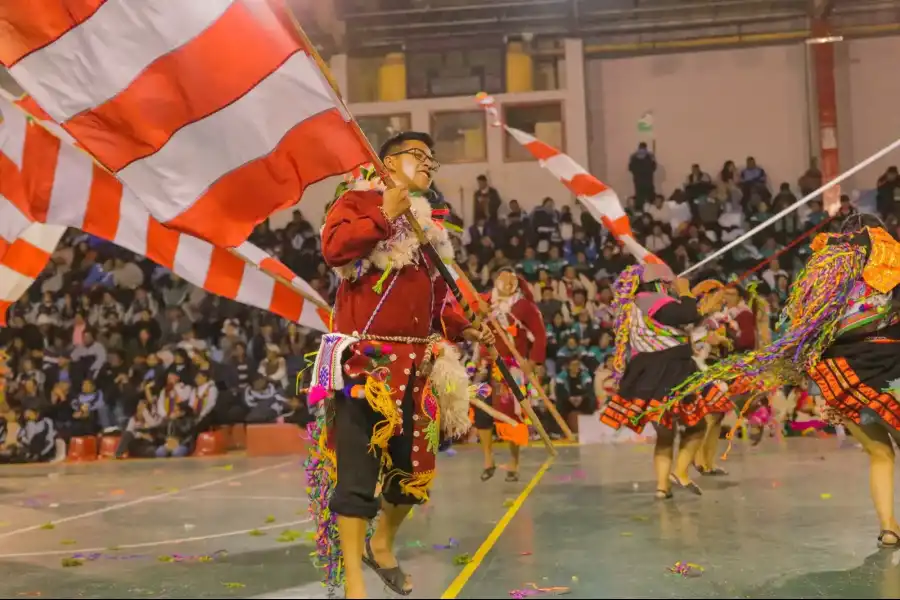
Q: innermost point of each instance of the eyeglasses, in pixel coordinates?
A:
(421, 156)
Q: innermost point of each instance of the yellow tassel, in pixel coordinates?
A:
(379, 398)
(379, 285)
(417, 485)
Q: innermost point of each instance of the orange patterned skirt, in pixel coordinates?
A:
(632, 412)
(854, 375)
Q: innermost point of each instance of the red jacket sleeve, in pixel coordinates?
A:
(353, 227)
(746, 337)
(448, 317)
(532, 319)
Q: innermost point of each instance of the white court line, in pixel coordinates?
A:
(144, 499)
(176, 541)
(52, 505)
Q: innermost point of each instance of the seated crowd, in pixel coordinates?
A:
(108, 343)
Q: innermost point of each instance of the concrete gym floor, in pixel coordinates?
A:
(790, 521)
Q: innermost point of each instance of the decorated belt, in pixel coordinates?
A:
(399, 339)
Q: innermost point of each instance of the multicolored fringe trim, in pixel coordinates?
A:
(624, 289)
(813, 311)
(321, 479)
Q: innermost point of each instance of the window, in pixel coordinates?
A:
(459, 137)
(380, 128)
(543, 121)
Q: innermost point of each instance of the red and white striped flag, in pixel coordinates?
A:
(46, 180)
(600, 200)
(213, 112)
(22, 259)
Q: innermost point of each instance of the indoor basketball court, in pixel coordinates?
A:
(790, 521)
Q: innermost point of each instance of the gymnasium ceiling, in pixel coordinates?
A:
(357, 25)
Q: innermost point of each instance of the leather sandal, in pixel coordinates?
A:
(689, 486)
(883, 544)
(394, 578)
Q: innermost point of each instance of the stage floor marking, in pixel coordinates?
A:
(151, 498)
(457, 584)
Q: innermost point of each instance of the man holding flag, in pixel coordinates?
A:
(392, 381)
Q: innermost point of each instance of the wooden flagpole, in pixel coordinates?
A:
(473, 317)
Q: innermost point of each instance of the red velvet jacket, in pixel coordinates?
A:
(415, 306)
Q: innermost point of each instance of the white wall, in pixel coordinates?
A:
(868, 102)
(708, 107)
(523, 181)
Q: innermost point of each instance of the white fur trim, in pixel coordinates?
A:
(402, 248)
(451, 388)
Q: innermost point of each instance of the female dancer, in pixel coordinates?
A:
(654, 354)
(844, 331)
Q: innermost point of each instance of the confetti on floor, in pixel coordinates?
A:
(825, 496)
(72, 562)
(452, 543)
(48, 526)
(289, 535)
(686, 569)
(462, 559)
(640, 518)
(534, 590)
(256, 532)
(509, 502)
(117, 492)
(233, 585)
(270, 519)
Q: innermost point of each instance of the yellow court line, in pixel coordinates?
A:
(462, 579)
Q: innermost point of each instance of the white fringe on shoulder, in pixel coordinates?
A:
(402, 248)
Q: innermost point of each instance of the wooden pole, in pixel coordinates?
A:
(473, 317)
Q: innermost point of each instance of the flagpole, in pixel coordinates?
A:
(471, 315)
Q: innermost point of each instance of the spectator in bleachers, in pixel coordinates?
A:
(642, 166)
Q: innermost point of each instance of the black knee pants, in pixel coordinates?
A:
(358, 468)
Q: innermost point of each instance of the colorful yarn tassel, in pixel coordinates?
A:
(417, 485)
(813, 312)
(378, 288)
(379, 398)
(625, 288)
(321, 479)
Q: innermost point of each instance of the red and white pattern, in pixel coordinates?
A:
(602, 202)
(46, 180)
(213, 112)
(23, 258)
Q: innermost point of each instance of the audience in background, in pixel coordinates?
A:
(108, 343)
